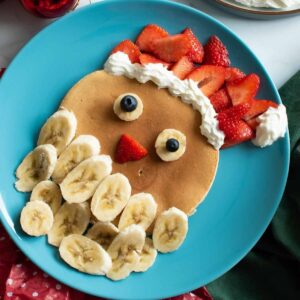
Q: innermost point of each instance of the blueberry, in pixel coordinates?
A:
(172, 145)
(128, 103)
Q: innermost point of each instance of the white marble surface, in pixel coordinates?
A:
(276, 42)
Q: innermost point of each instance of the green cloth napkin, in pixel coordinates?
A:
(272, 269)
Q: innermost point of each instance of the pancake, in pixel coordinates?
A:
(183, 183)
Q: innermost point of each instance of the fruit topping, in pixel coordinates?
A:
(220, 100)
(172, 145)
(244, 89)
(259, 107)
(196, 53)
(2, 70)
(172, 48)
(130, 49)
(233, 74)
(149, 34)
(234, 113)
(149, 59)
(216, 53)
(128, 107)
(128, 103)
(209, 78)
(183, 67)
(128, 149)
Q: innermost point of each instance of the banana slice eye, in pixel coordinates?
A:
(128, 107)
(170, 144)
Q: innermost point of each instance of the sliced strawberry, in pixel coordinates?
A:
(196, 54)
(183, 67)
(220, 100)
(149, 34)
(233, 74)
(236, 132)
(259, 107)
(244, 89)
(130, 49)
(172, 48)
(234, 113)
(129, 149)
(209, 78)
(253, 123)
(215, 53)
(2, 70)
(149, 59)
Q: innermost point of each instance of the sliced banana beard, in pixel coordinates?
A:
(125, 252)
(71, 218)
(170, 230)
(85, 255)
(83, 147)
(49, 192)
(111, 197)
(38, 165)
(147, 257)
(80, 184)
(59, 130)
(103, 233)
(141, 210)
(36, 218)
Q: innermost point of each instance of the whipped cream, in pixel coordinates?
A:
(188, 90)
(272, 126)
(269, 3)
(272, 123)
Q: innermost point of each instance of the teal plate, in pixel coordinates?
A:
(249, 182)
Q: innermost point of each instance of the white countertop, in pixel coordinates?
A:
(275, 42)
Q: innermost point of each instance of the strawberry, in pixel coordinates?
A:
(149, 59)
(196, 54)
(130, 49)
(129, 149)
(220, 100)
(209, 78)
(237, 132)
(149, 34)
(2, 70)
(233, 74)
(172, 48)
(183, 67)
(258, 107)
(244, 89)
(234, 113)
(215, 53)
(252, 123)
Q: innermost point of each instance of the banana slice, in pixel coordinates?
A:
(36, 218)
(147, 257)
(71, 218)
(103, 233)
(170, 230)
(83, 147)
(49, 192)
(37, 166)
(125, 252)
(131, 111)
(80, 184)
(141, 210)
(85, 255)
(170, 144)
(110, 197)
(59, 130)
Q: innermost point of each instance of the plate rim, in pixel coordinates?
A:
(257, 11)
(238, 257)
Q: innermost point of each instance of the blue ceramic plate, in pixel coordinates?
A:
(248, 186)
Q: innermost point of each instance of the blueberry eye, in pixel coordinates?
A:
(128, 107)
(128, 103)
(172, 145)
